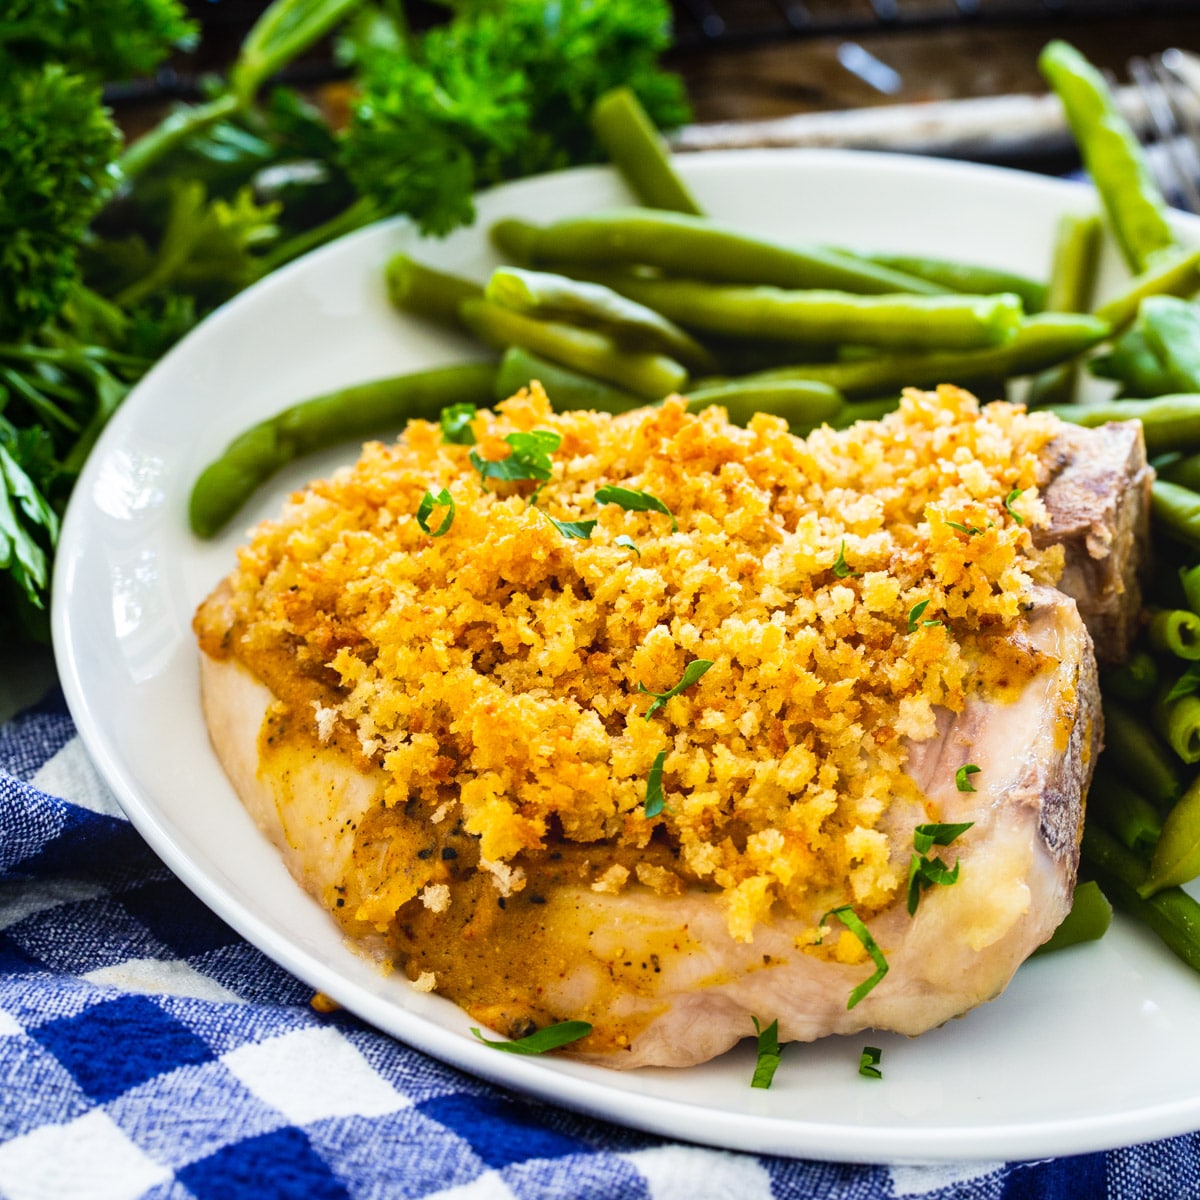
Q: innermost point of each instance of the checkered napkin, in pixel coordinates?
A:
(147, 1050)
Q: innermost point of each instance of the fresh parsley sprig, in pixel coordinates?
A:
(456, 421)
(691, 674)
(767, 1061)
(655, 800)
(582, 530)
(552, 1037)
(1009, 501)
(530, 457)
(425, 510)
(634, 501)
(925, 872)
(853, 922)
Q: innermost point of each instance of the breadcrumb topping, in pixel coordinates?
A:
(844, 587)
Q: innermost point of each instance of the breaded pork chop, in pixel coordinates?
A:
(882, 659)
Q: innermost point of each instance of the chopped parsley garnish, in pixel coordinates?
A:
(925, 837)
(868, 1062)
(428, 503)
(1009, 500)
(456, 424)
(655, 800)
(768, 1053)
(962, 777)
(634, 501)
(572, 529)
(967, 529)
(691, 673)
(925, 872)
(914, 614)
(549, 1038)
(840, 569)
(853, 922)
(625, 540)
(530, 457)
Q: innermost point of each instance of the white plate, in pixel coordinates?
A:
(1092, 1048)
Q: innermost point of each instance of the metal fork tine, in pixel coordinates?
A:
(1172, 171)
(1178, 73)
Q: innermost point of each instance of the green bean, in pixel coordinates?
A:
(636, 150)
(1136, 210)
(1134, 680)
(1174, 274)
(1171, 327)
(1176, 510)
(566, 389)
(1072, 278)
(1168, 423)
(651, 376)
(1088, 920)
(1176, 858)
(819, 316)
(1184, 470)
(804, 405)
(582, 302)
(426, 292)
(953, 276)
(695, 247)
(1172, 913)
(871, 409)
(1175, 631)
(357, 411)
(1124, 812)
(1132, 362)
(1178, 721)
(1041, 341)
(1134, 750)
(1189, 580)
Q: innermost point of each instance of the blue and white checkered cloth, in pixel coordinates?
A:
(147, 1050)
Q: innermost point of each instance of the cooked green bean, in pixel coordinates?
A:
(352, 412)
(1184, 470)
(1072, 278)
(1176, 857)
(1041, 341)
(1171, 327)
(1171, 913)
(803, 404)
(819, 316)
(1123, 811)
(1134, 750)
(1168, 423)
(1178, 721)
(1175, 631)
(637, 151)
(651, 376)
(1132, 362)
(426, 292)
(1133, 680)
(1174, 274)
(1115, 160)
(566, 389)
(1176, 510)
(1189, 580)
(696, 247)
(579, 301)
(1088, 920)
(953, 276)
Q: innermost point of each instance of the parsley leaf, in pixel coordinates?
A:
(428, 503)
(848, 917)
(655, 800)
(925, 837)
(914, 614)
(839, 568)
(962, 777)
(549, 1038)
(634, 501)
(1009, 500)
(967, 529)
(924, 872)
(768, 1053)
(572, 529)
(456, 424)
(530, 457)
(625, 540)
(691, 673)
(868, 1062)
